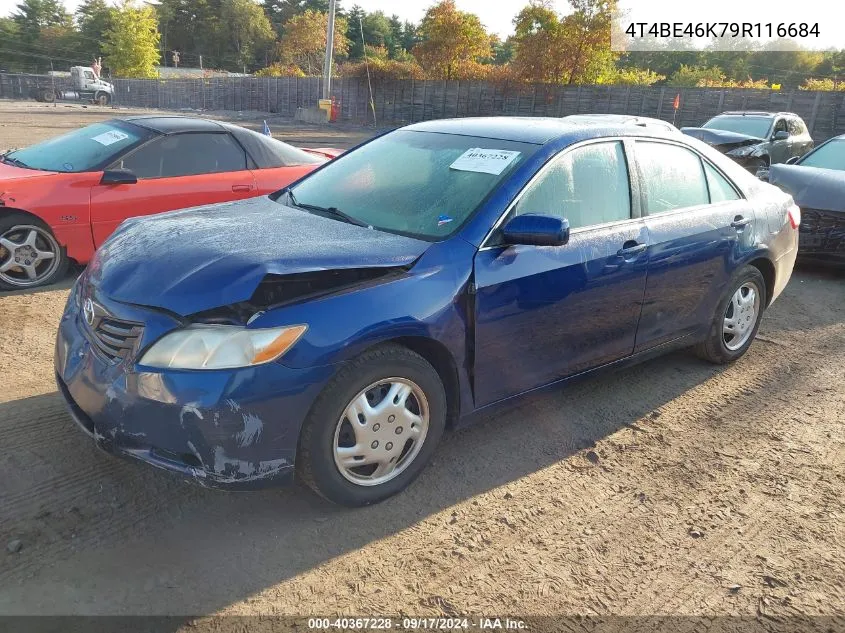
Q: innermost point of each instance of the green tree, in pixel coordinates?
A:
(697, 76)
(93, 20)
(248, 30)
(32, 16)
(131, 45)
(549, 48)
(304, 42)
(502, 51)
(450, 39)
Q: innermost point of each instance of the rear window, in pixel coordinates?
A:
(268, 152)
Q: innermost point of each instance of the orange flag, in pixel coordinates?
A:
(677, 102)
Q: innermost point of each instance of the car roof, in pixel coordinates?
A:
(173, 124)
(756, 113)
(536, 130)
(627, 119)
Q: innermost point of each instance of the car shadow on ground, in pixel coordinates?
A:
(68, 501)
(63, 284)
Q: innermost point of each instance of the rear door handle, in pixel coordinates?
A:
(241, 187)
(740, 222)
(630, 249)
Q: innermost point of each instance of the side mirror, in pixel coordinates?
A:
(781, 136)
(118, 177)
(792, 159)
(536, 230)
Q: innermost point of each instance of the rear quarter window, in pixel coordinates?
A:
(269, 153)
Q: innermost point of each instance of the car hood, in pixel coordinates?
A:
(721, 139)
(10, 172)
(811, 187)
(197, 259)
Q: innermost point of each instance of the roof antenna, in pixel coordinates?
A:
(367, 66)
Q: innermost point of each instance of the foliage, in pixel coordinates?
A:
(131, 45)
(382, 69)
(573, 49)
(697, 77)
(570, 47)
(304, 42)
(630, 77)
(248, 29)
(93, 19)
(822, 84)
(711, 77)
(450, 39)
(280, 70)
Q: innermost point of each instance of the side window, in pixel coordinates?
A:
(672, 177)
(186, 155)
(795, 128)
(587, 186)
(720, 189)
(780, 126)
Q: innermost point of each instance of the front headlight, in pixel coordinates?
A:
(202, 346)
(746, 150)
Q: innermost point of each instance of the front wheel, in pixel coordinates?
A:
(373, 428)
(102, 98)
(737, 318)
(30, 255)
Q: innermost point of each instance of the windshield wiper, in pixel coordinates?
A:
(14, 161)
(333, 211)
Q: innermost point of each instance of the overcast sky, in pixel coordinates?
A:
(497, 15)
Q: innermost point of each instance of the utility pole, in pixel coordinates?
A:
(327, 64)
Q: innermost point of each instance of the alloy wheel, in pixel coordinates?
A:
(28, 255)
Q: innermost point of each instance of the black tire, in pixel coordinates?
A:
(714, 348)
(7, 224)
(102, 98)
(48, 96)
(315, 462)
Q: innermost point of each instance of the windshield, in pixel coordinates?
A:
(423, 184)
(757, 126)
(831, 155)
(87, 149)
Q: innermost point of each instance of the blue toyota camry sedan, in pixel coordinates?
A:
(336, 328)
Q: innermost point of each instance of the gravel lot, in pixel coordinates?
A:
(673, 487)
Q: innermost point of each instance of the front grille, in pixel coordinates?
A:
(114, 338)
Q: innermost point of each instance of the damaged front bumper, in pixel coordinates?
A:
(822, 236)
(235, 429)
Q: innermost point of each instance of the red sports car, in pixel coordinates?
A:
(60, 199)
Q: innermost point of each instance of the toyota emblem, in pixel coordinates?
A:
(88, 310)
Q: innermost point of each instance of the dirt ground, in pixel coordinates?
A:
(671, 488)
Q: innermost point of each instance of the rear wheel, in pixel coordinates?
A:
(48, 95)
(374, 427)
(737, 318)
(30, 255)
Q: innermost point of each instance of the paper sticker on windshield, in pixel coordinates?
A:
(112, 136)
(487, 161)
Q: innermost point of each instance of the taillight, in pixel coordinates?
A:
(794, 215)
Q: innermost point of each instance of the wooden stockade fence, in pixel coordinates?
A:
(406, 101)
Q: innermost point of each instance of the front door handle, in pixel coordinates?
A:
(630, 249)
(740, 222)
(241, 187)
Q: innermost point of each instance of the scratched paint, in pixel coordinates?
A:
(253, 426)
